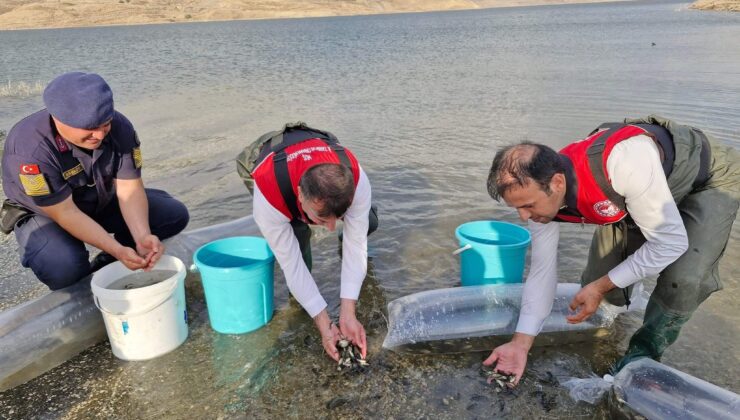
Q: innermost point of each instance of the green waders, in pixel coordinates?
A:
(708, 212)
(303, 233)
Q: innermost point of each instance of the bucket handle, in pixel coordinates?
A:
(130, 315)
(264, 298)
(462, 249)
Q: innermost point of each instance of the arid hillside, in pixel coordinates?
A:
(718, 5)
(22, 14)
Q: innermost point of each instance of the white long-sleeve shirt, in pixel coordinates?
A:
(276, 229)
(636, 174)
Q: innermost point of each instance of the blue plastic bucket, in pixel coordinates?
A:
(492, 252)
(237, 276)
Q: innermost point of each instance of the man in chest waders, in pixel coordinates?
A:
(664, 196)
(300, 176)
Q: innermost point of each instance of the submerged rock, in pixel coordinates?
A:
(336, 402)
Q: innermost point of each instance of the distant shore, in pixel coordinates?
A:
(717, 5)
(47, 14)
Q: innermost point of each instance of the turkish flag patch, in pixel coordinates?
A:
(30, 169)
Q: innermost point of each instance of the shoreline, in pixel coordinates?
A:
(716, 5)
(36, 11)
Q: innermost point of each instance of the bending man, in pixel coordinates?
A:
(300, 176)
(664, 196)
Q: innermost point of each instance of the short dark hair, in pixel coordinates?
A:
(519, 164)
(332, 184)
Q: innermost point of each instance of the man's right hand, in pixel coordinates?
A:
(78, 224)
(151, 249)
(511, 358)
(330, 334)
(329, 339)
(130, 258)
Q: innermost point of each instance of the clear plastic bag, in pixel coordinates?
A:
(657, 391)
(473, 318)
(184, 245)
(590, 390)
(43, 333)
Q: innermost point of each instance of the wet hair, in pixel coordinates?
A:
(332, 184)
(520, 164)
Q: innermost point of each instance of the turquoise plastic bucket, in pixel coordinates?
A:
(237, 276)
(492, 252)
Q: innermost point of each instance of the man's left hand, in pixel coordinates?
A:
(588, 299)
(350, 327)
(151, 249)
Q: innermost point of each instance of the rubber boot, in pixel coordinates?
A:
(659, 330)
(100, 261)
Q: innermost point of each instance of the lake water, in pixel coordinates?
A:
(423, 100)
(141, 279)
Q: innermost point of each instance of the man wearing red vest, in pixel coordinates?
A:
(664, 196)
(303, 176)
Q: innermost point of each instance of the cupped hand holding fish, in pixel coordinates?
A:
(130, 258)
(350, 327)
(511, 358)
(330, 334)
(151, 249)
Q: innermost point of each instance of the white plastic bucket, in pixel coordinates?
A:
(144, 322)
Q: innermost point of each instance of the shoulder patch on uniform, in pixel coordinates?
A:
(35, 185)
(30, 169)
(136, 153)
(72, 172)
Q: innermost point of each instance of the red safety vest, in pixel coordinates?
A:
(597, 202)
(300, 158)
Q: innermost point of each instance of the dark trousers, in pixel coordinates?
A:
(303, 233)
(58, 259)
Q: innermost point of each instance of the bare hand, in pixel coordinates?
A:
(329, 338)
(510, 359)
(588, 300)
(353, 331)
(130, 258)
(151, 249)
